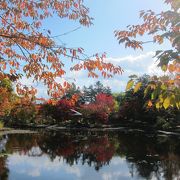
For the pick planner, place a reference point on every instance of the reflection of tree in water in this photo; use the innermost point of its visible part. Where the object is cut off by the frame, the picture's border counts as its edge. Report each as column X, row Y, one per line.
column 171, row 167
column 94, row 150
column 4, row 171
column 99, row 150
column 170, row 159
column 147, row 157
column 22, row 143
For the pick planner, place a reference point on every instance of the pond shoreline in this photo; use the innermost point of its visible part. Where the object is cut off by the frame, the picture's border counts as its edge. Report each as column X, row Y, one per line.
column 33, row 129
column 122, row 129
column 6, row 131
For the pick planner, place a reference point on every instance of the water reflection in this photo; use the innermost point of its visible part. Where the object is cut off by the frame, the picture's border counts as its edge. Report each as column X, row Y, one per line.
column 89, row 155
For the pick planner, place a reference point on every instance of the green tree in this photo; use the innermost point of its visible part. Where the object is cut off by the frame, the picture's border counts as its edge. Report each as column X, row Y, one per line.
column 90, row 93
column 136, row 106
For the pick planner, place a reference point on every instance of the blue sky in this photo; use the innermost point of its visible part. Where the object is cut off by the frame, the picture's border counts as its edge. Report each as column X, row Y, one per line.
column 108, row 16
column 98, row 38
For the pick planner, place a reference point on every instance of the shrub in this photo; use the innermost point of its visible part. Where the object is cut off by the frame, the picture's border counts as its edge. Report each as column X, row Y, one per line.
column 63, row 109
column 95, row 113
column 98, row 112
column 47, row 109
column 60, row 110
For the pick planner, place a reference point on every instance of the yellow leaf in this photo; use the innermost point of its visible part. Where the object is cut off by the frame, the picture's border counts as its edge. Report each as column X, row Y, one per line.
column 166, row 103
column 164, row 68
column 137, row 86
column 129, row 84
column 177, row 102
column 157, row 105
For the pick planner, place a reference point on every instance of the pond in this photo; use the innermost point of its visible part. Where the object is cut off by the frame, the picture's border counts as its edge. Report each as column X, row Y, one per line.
column 89, row 155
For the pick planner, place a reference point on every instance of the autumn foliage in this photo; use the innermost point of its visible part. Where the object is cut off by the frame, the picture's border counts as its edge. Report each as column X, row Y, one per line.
column 159, row 27
column 60, row 110
column 28, row 48
column 7, row 97
column 99, row 110
column 15, row 109
column 94, row 150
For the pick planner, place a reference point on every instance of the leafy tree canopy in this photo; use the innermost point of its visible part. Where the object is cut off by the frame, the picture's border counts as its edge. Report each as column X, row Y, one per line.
column 162, row 26
column 26, row 48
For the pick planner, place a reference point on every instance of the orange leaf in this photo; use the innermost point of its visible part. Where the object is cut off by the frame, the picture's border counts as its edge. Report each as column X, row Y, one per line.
column 150, row 103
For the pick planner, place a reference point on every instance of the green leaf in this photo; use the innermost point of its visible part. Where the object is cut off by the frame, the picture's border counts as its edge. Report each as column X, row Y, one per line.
column 163, row 87
column 129, row 84
column 137, row 86
column 146, row 91
column 166, row 103
column 156, row 92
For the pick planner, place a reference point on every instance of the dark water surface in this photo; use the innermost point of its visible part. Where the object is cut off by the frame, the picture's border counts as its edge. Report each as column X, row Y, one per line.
column 89, row 156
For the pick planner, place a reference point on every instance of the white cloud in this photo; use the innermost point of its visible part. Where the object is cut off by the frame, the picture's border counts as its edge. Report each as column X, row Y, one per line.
column 131, row 58
column 153, row 69
column 132, row 64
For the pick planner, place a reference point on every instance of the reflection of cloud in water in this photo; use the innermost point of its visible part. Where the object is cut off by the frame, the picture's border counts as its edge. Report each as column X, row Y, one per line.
column 35, row 166
column 118, row 170
column 43, row 167
column 117, row 161
column 115, row 175
column 34, row 173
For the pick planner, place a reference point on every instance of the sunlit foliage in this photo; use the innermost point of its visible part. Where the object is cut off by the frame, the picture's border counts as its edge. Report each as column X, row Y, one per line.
column 28, row 48
column 161, row 27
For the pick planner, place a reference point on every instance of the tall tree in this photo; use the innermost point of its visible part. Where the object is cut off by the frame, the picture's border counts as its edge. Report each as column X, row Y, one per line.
column 90, row 93
column 162, row 26
column 26, row 48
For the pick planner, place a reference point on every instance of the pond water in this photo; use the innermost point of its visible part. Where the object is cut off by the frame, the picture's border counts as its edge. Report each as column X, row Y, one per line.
column 89, row 155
